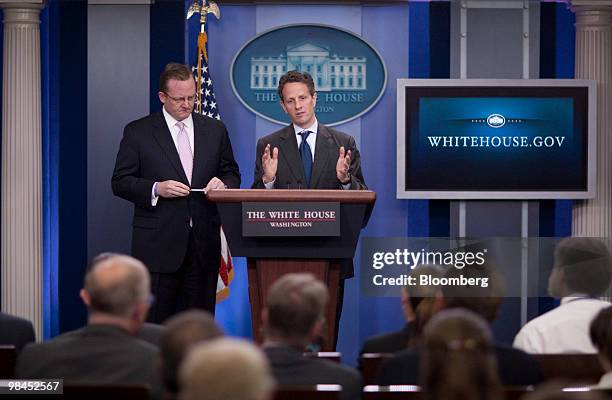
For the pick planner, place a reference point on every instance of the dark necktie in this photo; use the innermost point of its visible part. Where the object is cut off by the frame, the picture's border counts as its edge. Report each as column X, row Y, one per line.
column 306, row 155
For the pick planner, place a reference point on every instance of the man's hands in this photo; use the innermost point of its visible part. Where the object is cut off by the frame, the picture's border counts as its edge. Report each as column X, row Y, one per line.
column 170, row 189
column 342, row 166
column 269, row 163
column 214, row 184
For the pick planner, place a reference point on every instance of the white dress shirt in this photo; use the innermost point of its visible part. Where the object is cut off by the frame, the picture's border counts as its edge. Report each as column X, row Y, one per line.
column 312, row 142
column 564, row 329
column 174, row 131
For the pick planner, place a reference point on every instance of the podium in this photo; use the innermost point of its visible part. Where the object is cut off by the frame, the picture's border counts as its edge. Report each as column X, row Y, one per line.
column 318, row 246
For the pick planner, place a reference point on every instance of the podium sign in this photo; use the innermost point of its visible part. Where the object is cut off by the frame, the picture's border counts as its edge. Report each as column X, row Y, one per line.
column 261, row 219
column 322, row 249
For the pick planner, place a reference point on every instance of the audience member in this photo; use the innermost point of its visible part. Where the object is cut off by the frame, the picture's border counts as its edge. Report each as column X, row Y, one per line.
column 116, row 292
column 226, row 369
column 292, row 317
column 15, row 331
column 515, row 367
column 601, row 337
column 458, row 360
column 418, row 305
column 151, row 333
column 183, row 331
column 581, row 272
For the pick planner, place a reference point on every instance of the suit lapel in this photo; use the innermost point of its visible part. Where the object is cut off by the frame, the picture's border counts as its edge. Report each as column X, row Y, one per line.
column 324, row 152
column 164, row 139
column 200, row 144
column 288, row 150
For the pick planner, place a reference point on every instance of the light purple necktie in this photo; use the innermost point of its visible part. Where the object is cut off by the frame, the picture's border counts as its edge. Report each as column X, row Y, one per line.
column 184, row 150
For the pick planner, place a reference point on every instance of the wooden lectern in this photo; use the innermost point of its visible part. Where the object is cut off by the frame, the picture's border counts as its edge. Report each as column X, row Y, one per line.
column 269, row 257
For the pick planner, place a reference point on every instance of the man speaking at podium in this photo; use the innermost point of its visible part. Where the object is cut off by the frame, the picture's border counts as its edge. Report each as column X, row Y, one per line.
column 307, row 154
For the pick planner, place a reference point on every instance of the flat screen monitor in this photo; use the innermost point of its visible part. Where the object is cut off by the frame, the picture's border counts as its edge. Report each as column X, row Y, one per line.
column 496, row 139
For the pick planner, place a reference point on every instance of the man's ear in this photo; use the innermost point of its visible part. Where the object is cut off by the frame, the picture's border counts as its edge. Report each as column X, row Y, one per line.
column 85, row 297
column 317, row 328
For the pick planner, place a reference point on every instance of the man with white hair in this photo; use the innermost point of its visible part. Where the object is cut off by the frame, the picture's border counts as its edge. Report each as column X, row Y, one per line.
column 117, row 295
column 225, row 369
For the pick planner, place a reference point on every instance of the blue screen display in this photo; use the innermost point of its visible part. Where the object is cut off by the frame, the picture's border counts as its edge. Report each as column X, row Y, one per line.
column 515, row 139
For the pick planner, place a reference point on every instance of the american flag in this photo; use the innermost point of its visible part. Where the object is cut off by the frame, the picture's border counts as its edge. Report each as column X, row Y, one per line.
column 206, row 104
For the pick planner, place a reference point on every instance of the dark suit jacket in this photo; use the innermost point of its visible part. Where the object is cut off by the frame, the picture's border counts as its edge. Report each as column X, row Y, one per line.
column 151, row 333
column 290, row 172
column 516, row 368
column 96, row 354
column 388, row 343
column 291, row 368
column 15, row 331
column 147, row 155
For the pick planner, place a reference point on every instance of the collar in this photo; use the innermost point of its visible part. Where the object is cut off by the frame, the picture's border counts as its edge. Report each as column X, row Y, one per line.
column 312, row 128
column 171, row 122
column 575, row 297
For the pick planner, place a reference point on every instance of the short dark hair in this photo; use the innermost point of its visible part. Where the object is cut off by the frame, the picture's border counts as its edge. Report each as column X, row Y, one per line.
column 601, row 332
column 182, row 332
column 296, row 77
column 295, row 303
column 484, row 301
column 176, row 71
column 586, row 264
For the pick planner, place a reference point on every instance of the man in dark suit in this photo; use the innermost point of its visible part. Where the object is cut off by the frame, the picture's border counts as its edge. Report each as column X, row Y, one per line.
column 293, row 316
column 333, row 160
column 161, row 160
column 515, row 367
column 307, row 154
column 15, row 331
column 117, row 293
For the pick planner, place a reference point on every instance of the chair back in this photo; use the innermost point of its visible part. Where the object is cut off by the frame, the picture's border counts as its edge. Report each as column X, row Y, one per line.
column 8, row 360
column 369, row 364
column 316, row 392
column 580, row 368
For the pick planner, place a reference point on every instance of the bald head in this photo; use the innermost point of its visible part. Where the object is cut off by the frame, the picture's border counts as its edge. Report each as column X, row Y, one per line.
column 115, row 284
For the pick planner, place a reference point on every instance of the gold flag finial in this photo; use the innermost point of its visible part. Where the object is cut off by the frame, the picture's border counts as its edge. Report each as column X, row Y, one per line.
column 203, row 7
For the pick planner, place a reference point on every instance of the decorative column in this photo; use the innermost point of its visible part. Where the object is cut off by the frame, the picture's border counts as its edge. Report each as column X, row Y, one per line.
column 21, row 249
column 594, row 61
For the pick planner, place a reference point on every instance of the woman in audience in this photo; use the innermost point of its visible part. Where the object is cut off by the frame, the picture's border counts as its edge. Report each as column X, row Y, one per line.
column 601, row 336
column 458, row 362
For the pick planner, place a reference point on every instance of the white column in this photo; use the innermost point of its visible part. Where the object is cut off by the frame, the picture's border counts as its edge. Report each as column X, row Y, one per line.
column 594, row 61
column 21, row 250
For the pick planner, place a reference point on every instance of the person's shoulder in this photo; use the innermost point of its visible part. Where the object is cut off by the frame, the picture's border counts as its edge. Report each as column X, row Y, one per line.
column 337, row 369
column 14, row 321
column 207, row 121
column 144, row 123
column 386, row 343
column 271, row 137
column 343, row 137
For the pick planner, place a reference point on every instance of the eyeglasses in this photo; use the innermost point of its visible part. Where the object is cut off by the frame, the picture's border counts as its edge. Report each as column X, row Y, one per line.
column 179, row 100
